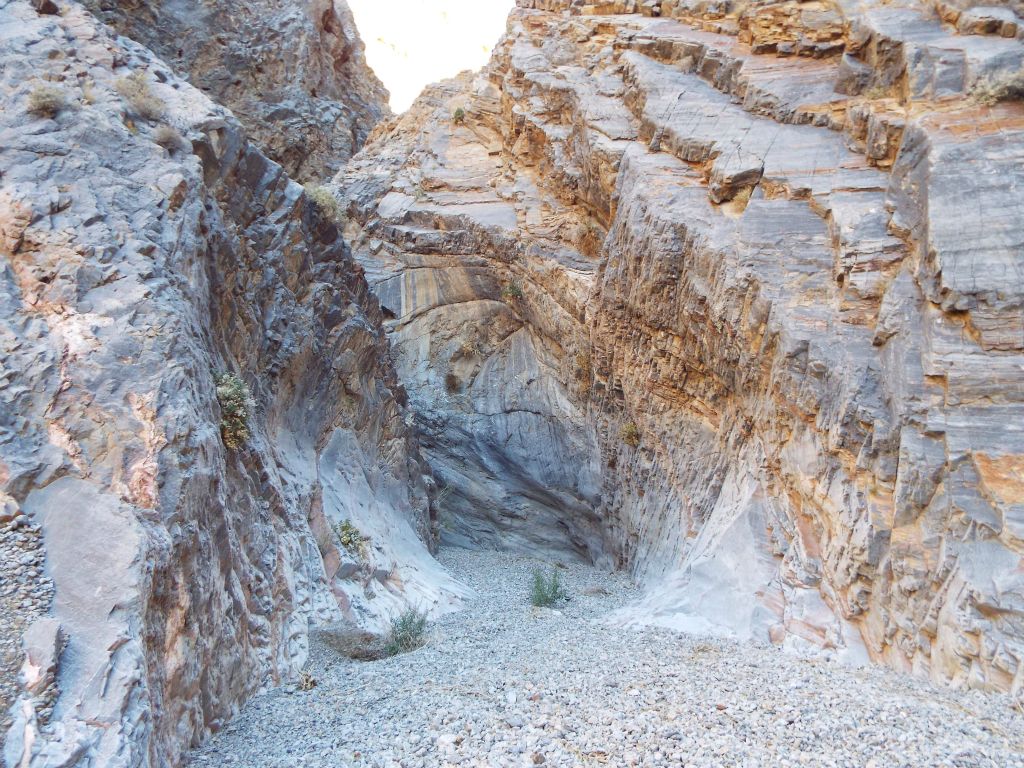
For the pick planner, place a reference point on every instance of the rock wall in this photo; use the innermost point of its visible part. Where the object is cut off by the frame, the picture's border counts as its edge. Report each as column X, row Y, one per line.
column 294, row 74
column 733, row 296
column 146, row 247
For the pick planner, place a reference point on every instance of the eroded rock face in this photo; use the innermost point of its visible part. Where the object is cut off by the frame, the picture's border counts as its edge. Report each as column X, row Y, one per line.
column 294, row 74
column 140, row 258
column 734, row 299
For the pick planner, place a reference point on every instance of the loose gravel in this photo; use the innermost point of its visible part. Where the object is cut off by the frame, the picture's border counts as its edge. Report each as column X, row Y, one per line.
column 505, row 684
column 25, row 595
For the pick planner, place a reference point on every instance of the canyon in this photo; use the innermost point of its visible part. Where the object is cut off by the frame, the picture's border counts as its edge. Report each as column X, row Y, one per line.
column 725, row 297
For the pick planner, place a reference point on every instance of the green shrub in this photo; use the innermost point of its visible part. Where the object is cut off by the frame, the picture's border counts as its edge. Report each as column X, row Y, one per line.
column 46, row 101
column 135, row 90
column 325, row 202
column 459, row 116
column 408, row 632
column 236, row 404
column 350, row 537
column 547, row 591
column 630, row 434
column 511, row 291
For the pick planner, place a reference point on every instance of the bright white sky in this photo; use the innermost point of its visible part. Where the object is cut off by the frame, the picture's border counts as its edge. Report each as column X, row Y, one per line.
column 412, row 43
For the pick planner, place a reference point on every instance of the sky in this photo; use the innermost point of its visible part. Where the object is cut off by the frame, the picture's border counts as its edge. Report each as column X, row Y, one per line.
column 412, row 43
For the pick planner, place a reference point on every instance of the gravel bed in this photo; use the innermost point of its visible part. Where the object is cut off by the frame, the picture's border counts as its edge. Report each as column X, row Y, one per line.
column 505, row 684
column 25, row 595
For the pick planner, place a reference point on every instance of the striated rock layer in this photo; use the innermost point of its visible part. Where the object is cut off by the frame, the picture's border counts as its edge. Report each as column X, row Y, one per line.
column 732, row 296
column 294, row 74
column 138, row 260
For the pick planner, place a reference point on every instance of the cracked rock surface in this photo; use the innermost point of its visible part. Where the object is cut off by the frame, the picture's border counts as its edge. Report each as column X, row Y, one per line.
column 732, row 296
column 145, row 248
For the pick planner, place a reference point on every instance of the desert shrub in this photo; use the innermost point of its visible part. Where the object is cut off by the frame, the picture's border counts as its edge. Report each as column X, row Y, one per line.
column 168, row 137
column 630, row 434
column 546, row 592
column 459, row 116
column 408, row 632
column 325, row 202
column 350, row 537
column 511, row 291
column 1006, row 87
column 46, row 101
column 306, row 682
column 236, row 404
column 135, row 90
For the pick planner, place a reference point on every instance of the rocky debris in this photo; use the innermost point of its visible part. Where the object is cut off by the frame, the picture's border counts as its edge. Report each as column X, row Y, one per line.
column 744, row 322
column 184, row 574
column 26, row 593
column 294, row 74
column 504, row 684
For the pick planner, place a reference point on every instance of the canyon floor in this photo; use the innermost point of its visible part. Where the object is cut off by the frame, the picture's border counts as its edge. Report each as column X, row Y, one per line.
column 505, row 684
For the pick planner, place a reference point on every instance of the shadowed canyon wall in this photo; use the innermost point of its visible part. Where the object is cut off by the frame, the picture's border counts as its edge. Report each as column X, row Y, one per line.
column 728, row 295
column 732, row 296
column 144, row 254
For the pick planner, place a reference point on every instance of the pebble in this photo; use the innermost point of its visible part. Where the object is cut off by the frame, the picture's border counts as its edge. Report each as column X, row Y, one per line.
column 501, row 684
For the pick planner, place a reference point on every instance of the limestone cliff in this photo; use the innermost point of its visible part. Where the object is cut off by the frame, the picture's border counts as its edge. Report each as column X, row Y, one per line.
column 293, row 73
column 731, row 295
column 145, row 248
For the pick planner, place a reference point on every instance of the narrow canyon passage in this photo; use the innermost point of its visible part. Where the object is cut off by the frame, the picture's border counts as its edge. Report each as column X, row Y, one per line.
column 505, row 684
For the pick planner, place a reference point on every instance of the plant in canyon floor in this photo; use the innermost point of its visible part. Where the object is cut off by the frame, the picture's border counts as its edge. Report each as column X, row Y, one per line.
column 236, row 404
column 408, row 632
column 545, row 592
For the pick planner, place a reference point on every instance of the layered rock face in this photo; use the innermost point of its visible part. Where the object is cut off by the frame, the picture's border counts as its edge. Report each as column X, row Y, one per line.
column 294, row 74
column 732, row 296
column 146, row 248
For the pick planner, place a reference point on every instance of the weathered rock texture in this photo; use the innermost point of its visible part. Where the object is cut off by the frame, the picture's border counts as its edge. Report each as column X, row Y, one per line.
column 185, row 574
column 294, row 73
column 732, row 296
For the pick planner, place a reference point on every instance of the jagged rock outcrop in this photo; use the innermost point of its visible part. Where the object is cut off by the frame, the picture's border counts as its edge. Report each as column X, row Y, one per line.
column 145, row 247
column 294, row 74
column 731, row 295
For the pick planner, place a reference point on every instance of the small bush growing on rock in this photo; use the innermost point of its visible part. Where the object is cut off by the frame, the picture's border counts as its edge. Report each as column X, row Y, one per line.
column 511, row 291
column 46, row 101
column 236, row 404
column 168, row 138
column 135, row 90
column 306, row 682
column 350, row 537
column 1007, row 87
column 408, row 632
column 324, row 201
column 459, row 116
column 630, row 434
column 545, row 592
column 451, row 382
